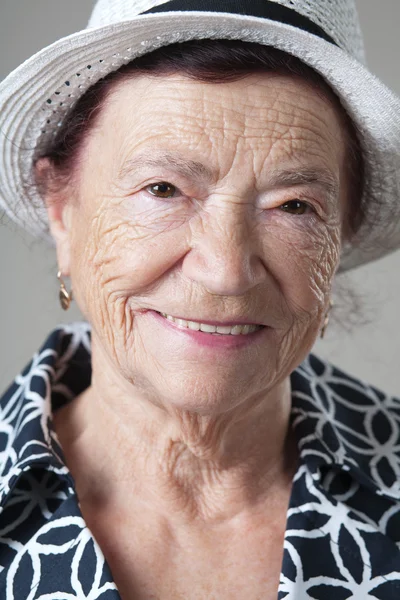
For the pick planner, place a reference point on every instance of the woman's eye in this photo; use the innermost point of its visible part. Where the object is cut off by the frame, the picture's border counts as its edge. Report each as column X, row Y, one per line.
column 296, row 207
column 162, row 189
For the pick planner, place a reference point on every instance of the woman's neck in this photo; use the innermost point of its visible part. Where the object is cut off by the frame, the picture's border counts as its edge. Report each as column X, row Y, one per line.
column 186, row 466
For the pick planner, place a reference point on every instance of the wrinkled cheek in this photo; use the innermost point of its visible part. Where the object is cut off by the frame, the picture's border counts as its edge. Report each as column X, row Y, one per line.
column 98, row 256
column 118, row 261
column 311, row 259
column 130, row 250
column 325, row 261
column 306, row 289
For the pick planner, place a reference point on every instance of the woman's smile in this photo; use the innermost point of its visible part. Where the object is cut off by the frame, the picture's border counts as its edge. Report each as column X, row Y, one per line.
column 219, row 335
column 223, row 328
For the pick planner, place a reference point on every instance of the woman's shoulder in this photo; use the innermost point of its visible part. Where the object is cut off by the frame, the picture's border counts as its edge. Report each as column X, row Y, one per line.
column 345, row 423
column 57, row 372
column 315, row 371
column 65, row 348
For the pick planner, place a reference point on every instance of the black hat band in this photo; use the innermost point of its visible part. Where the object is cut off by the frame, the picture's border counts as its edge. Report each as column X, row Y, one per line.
column 252, row 8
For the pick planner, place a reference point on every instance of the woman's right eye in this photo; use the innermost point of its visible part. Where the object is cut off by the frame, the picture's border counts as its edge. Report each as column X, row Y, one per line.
column 162, row 189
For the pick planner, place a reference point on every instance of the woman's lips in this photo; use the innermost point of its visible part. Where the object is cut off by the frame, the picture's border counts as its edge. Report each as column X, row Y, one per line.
column 236, row 339
column 232, row 323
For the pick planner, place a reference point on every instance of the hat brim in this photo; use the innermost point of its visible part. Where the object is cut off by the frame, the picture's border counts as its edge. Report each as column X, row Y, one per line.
column 35, row 98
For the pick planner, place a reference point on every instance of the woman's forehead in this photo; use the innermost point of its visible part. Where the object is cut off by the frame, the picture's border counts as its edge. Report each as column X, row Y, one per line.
column 268, row 118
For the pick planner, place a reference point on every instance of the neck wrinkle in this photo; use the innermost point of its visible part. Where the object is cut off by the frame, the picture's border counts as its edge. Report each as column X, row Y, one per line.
column 188, row 467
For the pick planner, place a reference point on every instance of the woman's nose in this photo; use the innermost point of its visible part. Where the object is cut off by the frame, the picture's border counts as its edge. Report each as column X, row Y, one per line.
column 225, row 255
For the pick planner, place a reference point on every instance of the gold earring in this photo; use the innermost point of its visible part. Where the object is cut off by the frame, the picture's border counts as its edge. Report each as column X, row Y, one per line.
column 65, row 297
column 326, row 322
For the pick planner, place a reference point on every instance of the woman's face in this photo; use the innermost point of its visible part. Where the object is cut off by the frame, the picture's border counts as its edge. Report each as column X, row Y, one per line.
column 212, row 203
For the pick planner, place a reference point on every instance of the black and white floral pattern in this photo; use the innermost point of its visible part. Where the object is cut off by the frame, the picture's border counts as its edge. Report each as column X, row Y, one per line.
column 343, row 524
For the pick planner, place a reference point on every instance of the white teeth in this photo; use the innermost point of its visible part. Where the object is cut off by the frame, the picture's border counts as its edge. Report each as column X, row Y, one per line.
column 223, row 329
column 236, row 330
column 207, row 328
column 219, row 329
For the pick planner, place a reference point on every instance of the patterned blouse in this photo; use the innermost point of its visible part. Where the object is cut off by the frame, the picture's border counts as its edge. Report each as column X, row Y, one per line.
column 343, row 523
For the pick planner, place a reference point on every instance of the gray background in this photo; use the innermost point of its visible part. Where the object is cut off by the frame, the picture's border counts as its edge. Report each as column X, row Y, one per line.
column 29, row 308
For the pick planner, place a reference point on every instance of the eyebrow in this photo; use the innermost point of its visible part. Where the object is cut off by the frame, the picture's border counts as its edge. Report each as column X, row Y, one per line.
column 191, row 169
column 185, row 167
column 320, row 176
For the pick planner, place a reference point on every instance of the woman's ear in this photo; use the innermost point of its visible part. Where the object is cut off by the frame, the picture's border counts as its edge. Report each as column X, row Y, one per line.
column 59, row 212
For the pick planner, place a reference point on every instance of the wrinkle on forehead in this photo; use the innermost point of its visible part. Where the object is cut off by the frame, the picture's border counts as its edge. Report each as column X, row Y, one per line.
column 269, row 121
column 158, row 158
column 238, row 107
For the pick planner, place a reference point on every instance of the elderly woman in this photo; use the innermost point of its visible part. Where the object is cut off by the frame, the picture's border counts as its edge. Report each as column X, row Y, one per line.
column 205, row 175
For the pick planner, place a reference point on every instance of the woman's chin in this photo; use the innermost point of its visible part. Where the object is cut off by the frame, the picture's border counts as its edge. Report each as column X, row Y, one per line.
column 207, row 395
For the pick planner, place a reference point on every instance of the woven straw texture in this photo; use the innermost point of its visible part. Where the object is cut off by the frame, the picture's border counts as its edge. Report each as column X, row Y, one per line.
column 339, row 18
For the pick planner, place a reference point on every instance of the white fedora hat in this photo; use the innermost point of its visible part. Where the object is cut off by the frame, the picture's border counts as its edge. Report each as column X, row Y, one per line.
column 35, row 98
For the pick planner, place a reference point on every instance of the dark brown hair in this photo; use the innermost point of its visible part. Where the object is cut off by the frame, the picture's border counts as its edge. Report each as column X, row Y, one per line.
column 209, row 61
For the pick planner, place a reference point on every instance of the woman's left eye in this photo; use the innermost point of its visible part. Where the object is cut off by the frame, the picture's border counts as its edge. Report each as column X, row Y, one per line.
column 296, row 207
column 162, row 189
